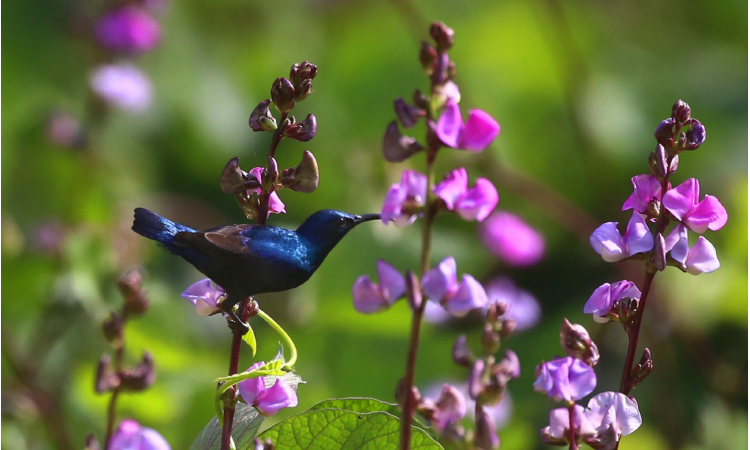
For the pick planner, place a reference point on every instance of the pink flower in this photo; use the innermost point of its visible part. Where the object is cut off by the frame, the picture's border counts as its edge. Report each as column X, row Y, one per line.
column 682, row 202
column 130, row 435
column 404, row 198
column 606, row 240
column 558, row 431
column 511, row 239
column 122, row 85
column 441, row 286
column 370, row 297
column 613, row 415
column 471, row 204
column 128, row 29
column 646, row 188
column 565, row 379
column 605, row 296
column 205, row 296
column 267, row 400
column 275, row 205
column 701, row 258
column 475, row 135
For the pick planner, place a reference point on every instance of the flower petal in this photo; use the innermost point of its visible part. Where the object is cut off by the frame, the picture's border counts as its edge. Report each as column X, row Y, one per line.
column 478, row 202
column 275, row 205
column 582, row 379
column 600, row 302
column 702, row 258
column 627, row 416
column 638, row 238
column 440, row 282
column 645, row 189
column 507, row 236
column 479, row 131
column 469, row 295
column 367, row 296
column 453, row 187
column 606, row 241
column 709, row 213
column 415, row 185
column 681, row 200
column 251, row 388
column 275, row 398
column 450, row 124
column 392, row 282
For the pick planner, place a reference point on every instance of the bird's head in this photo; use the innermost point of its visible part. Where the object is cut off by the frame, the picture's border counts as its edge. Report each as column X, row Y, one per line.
column 326, row 228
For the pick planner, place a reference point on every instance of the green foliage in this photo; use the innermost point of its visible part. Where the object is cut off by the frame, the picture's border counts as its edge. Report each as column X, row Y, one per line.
column 330, row 425
column 245, row 426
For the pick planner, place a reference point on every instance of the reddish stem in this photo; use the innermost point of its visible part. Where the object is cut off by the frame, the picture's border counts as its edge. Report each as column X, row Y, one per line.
column 571, row 423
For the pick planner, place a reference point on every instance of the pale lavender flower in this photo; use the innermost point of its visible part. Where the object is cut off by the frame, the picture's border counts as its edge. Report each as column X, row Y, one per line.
column 613, row 415
column 522, row 307
column 122, row 85
column 558, row 431
column 130, row 435
column 475, row 135
column 604, row 297
column 449, row 408
column 607, row 242
column 268, row 401
column 511, row 239
column 682, row 202
column 500, row 413
column 471, row 204
column 441, row 286
column 565, row 379
column 700, row 258
column 205, row 295
column 370, row 297
column 646, row 188
column 275, row 205
column 128, row 29
column 403, row 199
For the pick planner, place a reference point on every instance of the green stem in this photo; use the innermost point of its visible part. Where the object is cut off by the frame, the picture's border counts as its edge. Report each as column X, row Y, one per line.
column 288, row 365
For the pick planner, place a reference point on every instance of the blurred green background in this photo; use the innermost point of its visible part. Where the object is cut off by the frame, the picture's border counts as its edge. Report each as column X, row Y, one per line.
column 578, row 88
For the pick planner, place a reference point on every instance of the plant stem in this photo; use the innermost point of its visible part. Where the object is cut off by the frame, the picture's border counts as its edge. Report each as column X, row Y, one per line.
column 288, row 365
column 234, row 357
column 571, row 423
column 409, row 404
column 112, row 409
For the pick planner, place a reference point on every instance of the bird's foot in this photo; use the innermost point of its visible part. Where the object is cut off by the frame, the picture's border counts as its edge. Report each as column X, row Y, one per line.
column 238, row 326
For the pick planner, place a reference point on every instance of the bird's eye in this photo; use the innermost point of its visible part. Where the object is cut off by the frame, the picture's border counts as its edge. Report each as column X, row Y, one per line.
column 342, row 221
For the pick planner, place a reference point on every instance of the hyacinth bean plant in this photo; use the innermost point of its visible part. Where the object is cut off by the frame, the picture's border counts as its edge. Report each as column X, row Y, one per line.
column 433, row 291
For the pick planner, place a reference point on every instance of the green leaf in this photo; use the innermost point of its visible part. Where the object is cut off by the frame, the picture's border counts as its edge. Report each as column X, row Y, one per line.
column 249, row 339
column 245, row 426
column 358, row 404
column 339, row 429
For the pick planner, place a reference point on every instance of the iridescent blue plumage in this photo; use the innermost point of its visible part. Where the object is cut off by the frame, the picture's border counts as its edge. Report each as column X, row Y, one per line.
column 251, row 259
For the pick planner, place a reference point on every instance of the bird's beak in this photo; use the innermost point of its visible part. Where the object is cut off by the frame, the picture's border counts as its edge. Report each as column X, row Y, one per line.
column 365, row 218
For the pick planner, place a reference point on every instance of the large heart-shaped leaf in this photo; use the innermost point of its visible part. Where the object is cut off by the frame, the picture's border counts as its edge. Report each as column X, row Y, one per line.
column 357, row 404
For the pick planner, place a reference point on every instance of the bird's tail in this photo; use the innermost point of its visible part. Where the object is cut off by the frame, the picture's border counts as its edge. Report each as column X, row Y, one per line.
column 153, row 226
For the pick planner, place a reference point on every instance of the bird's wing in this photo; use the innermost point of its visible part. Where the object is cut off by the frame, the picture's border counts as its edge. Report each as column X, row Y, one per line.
column 218, row 241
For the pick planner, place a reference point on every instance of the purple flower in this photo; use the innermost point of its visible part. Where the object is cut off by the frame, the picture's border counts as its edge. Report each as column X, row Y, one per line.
column 123, row 86
column 449, row 408
column 521, row 307
column 130, row 435
column 646, row 188
column 440, row 286
column 275, row 205
column 701, row 258
column 475, row 135
column 558, row 431
column 128, row 29
column 370, row 298
column 565, row 379
column 613, row 415
column 471, row 204
column 404, row 199
column 511, row 239
column 267, row 400
column 606, row 240
column 205, row 296
column 500, row 412
column 604, row 297
column 682, row 202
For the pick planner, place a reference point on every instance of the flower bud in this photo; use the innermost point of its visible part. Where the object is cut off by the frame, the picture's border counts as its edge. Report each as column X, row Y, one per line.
column 233, row 179
column 462, row 354
column 509, row 368
column 659, row 258
column 664, row 133
column 139, row 377
column 696, row 136
column 428, row 57
column 407, row 114
column 272, row 171
column 450, row 72
column 129, row 284
column 265, row 444
column 282, row 95
column 261, row 118
column 643, row 369
column 420, row 100
column 91, row 442
column 106, row 379
column 402, row 393
column 303, row 178
column 626, row 309
column 476, row 382
column 657, row 161
column 486, row 437
column 413, row 290
column 396, row 147
column 112, row 328
column 673, row 164
column 577, row 343
column 302, row 131
column 496, row 309
column 442, row 35
column 490, row 340
column 302, row 72
column 506, row 328
column 681, row 111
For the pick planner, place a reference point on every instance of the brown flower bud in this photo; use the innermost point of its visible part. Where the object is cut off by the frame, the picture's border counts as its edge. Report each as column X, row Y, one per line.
column 106, row 379
column 442, row 35
column 681, row 111
column 302, row 131
column 413, row 290
column 396, row 147
column 261, row 118
column 91, row 442
column 304, row 177
column 490, row 340
column 282, row 95
column 112, row 328
column 407, row 114
column 486, row 437
column 129, row 284
column 659, row 257
column 577, row 343
column 428, row 57
column 233, row 179
column 139, row 377
column 462, row 354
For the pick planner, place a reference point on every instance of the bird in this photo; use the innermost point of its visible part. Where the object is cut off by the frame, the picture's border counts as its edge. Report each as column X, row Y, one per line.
column 250, row 259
